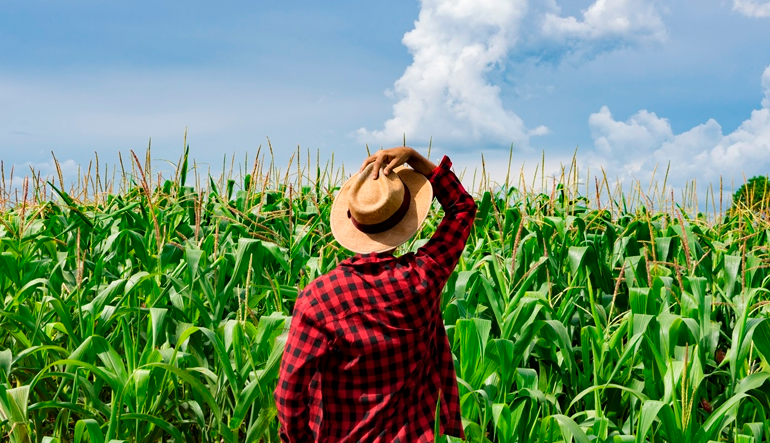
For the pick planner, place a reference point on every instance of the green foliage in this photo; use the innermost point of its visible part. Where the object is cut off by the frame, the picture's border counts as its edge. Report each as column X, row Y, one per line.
column 754, row 195
column 159, row 314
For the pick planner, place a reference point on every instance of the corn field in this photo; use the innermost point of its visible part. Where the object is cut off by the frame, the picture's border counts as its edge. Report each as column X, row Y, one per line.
column 140, row 308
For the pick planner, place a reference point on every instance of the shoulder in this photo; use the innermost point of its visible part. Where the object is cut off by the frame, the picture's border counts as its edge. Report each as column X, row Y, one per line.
column 411, row 265
column 319, row 300
column 326, row 283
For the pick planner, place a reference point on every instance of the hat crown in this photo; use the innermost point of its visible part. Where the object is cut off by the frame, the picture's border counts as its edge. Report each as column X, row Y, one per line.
column 374, row 201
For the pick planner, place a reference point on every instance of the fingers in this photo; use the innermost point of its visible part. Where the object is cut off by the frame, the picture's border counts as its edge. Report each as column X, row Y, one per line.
column 378, row 159
column 377, row 165
column 369, row 160
column 395, row 162
column 390, row 158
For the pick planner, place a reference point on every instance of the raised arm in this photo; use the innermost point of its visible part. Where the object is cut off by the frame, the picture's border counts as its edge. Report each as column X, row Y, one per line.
column 448, row 242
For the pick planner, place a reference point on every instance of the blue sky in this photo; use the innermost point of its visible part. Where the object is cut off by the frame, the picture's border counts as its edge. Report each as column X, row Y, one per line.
column 631, row 83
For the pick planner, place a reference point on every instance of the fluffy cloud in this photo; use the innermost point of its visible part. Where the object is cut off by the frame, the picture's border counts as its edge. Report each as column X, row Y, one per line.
column 607, row 20
column 444, row 91
column 752, row 8
column 634, row 147
column 455, row 44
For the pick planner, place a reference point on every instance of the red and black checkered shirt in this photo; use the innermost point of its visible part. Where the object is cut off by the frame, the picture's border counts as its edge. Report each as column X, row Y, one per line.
column 367, row 355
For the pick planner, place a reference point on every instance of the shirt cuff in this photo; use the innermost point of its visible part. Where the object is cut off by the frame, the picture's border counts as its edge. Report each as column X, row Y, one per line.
column 443, row 167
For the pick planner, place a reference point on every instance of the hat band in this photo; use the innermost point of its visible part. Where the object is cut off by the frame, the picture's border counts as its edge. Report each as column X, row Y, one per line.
column 388, row 223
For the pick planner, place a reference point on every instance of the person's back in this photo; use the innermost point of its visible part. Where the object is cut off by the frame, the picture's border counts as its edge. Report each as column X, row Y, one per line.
column 367, row 355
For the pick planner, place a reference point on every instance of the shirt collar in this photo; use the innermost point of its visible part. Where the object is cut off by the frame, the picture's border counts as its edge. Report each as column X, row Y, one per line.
column 369, row 259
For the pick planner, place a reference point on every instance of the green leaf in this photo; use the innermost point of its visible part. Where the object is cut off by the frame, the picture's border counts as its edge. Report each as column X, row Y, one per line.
column 159, row 422
column 732, row 266
column 753, row 381
column 651, row 410
column 576, row 256
column 504, row 425
column 88, row 428
column 194, row 383
column 6, row 359
column 156, row 317
column 261, row 425
column 74, row 407
column 246, row 400
column 718, row 419
column 569, row 429
column 636, row 393
column 761, row 339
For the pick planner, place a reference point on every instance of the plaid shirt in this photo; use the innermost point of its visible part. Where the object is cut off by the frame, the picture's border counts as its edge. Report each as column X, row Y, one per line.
column 367, row 355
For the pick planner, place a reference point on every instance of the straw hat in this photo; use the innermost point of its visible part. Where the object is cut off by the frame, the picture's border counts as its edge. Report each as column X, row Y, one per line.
column 379, row 215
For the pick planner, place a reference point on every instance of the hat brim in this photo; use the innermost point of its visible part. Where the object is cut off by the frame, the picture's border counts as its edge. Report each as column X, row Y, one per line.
column 351, row 238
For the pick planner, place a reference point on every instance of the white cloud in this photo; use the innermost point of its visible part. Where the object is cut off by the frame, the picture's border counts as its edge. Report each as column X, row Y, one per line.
column 627, row 144
column 636, row 146
column 445, row 92
column 766, row 87
column 455, row 44
column 752, row 8
column 608, row 19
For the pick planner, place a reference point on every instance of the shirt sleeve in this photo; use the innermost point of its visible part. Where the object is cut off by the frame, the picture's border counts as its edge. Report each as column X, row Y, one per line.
column 448, row 242
column 305, row 345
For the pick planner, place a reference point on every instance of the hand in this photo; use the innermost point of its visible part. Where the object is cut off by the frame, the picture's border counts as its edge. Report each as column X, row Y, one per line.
column 391, row 158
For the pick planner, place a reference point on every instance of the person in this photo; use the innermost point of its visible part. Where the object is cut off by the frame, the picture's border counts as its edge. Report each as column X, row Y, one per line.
column 367, row 357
